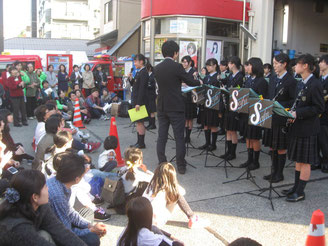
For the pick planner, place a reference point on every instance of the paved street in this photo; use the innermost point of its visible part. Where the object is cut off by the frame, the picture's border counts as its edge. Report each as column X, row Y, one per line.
column 232, row 211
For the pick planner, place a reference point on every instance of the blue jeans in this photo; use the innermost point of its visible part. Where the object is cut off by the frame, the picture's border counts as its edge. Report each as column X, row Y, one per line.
column 91, row 239
column 103, row 175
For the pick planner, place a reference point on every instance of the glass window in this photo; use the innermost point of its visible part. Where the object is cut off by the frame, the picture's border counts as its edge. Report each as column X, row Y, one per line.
column 178, row 25
column 222, row 29
column 147, row 28
column 147, row 48
column 230, row 49
column 108, row 12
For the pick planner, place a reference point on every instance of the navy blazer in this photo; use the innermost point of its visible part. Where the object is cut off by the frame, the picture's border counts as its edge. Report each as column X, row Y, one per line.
column 169, row 76
column 287, row 92
column 310, row 106
column 324, row 116
column 139, row 88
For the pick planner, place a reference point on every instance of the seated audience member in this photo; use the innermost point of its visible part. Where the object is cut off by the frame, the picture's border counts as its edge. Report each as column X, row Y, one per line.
column 62, row 102
column 134, row 180
column 115, row 98
column 94, row 106
column 16, row 148
column 70, row 172
column 139, row 230
column 243, row 241
column 164, row 193
column 107, row 159
column 27, row 216
column 47, row 94
column 53, row 124
column 105, row 97
column 79, row 95
column 42, row 113
column 71, row 106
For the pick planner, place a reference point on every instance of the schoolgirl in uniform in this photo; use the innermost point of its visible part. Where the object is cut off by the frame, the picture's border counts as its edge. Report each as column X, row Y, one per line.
column 211, row 116
column 190, row 107
column 151, row 98
column 253, row 134
column 223, row 80
column 303, row 147
column 282, row 88
column 235, row 79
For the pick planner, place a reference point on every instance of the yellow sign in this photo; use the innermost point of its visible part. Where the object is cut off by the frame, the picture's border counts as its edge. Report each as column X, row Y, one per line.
column 5, row 53
column 138, row 115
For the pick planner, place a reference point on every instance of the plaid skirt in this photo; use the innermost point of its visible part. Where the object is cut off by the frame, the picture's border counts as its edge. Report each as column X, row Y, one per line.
column 253, row 132
column 243, row 124
column 275, row 138
column 303, row 149
column 190, row 111
column 231, row 121
column 210, row 117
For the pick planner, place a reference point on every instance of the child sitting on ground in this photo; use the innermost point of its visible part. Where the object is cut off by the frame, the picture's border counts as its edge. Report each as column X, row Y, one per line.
column 107, row 159
column 164, row 193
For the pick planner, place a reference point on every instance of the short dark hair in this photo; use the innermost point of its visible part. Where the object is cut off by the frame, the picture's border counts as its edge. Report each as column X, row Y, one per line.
column 324, row 58
column 52, row 123
column 40, row 112
column 17, row 63
column 49, row 66
column 75, row 66
column 110, row 142
column 50, row 106
column 70, row 93
column 235, row 60
column 12, row 69
column 211, row 62
column 193, row 46
column 169, row 48
column 307, row 59
column 86, row 66
column 140, row 57
column 45, row 82
column 224, row 63
column 257, row 67
column 267, row 66
column 71, row 166
column 243, row 241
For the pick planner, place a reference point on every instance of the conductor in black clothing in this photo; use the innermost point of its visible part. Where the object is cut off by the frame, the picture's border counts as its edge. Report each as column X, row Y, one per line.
column 139, row 96
column 170, row 106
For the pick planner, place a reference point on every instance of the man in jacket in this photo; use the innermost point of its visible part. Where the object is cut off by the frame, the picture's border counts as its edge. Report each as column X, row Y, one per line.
column 169, row 76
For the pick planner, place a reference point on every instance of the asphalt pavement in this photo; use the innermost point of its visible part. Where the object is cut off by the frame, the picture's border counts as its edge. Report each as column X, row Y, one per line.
column 233, row 209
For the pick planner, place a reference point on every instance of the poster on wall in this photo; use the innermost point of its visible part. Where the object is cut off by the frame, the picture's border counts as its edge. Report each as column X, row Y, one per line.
column 213, row 50
column 158, row 47
column 189, row 48
column 178, row 26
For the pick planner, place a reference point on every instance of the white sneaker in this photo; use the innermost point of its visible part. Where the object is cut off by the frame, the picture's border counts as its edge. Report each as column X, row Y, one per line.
column 101, row 117
column 31, row 118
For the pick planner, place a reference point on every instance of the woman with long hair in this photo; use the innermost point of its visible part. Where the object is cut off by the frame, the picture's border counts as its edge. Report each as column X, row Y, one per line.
column 211, row 116
column 190, row 107
column 62, row 78
column 164, row 193
column 139, row 96
column 253, row 134
column 139, row 230
column 26, row 214
column 282, row 88
column 304, row 130
column 151, row 97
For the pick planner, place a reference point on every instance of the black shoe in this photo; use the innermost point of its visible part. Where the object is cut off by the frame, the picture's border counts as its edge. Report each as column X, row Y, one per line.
column 211, row 147
column 254, row 166
column 267, row 177
column 182, row 169
column 288, row 192
column 25, row 123
column 151, row 127
column 231, row 157
column 98, row 200
column 294, row 197
column 224, row 155
column 205, row 146
column 101, row 215
column 277, row 179
column 18, row 125
column 140, row 146
column 246, row 164
column 221, row 132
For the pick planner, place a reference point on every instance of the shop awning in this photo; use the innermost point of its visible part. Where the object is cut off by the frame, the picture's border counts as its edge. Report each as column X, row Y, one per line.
column 124, row 39
column 107, row 38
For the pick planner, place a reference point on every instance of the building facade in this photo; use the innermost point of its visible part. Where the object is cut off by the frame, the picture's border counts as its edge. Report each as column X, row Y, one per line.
column 119, row 27
column 68, row 19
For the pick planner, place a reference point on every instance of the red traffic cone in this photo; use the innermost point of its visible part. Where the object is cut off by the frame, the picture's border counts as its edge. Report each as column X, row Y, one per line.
column 113, row 132
column 316, row 235
column 77, row 121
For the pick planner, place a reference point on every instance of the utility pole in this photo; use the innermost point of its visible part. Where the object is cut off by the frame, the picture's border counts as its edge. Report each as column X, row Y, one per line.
column 1, row 28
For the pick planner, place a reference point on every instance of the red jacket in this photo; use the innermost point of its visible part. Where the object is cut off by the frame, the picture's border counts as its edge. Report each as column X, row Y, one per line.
column 14, row 89
column 4, row 80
